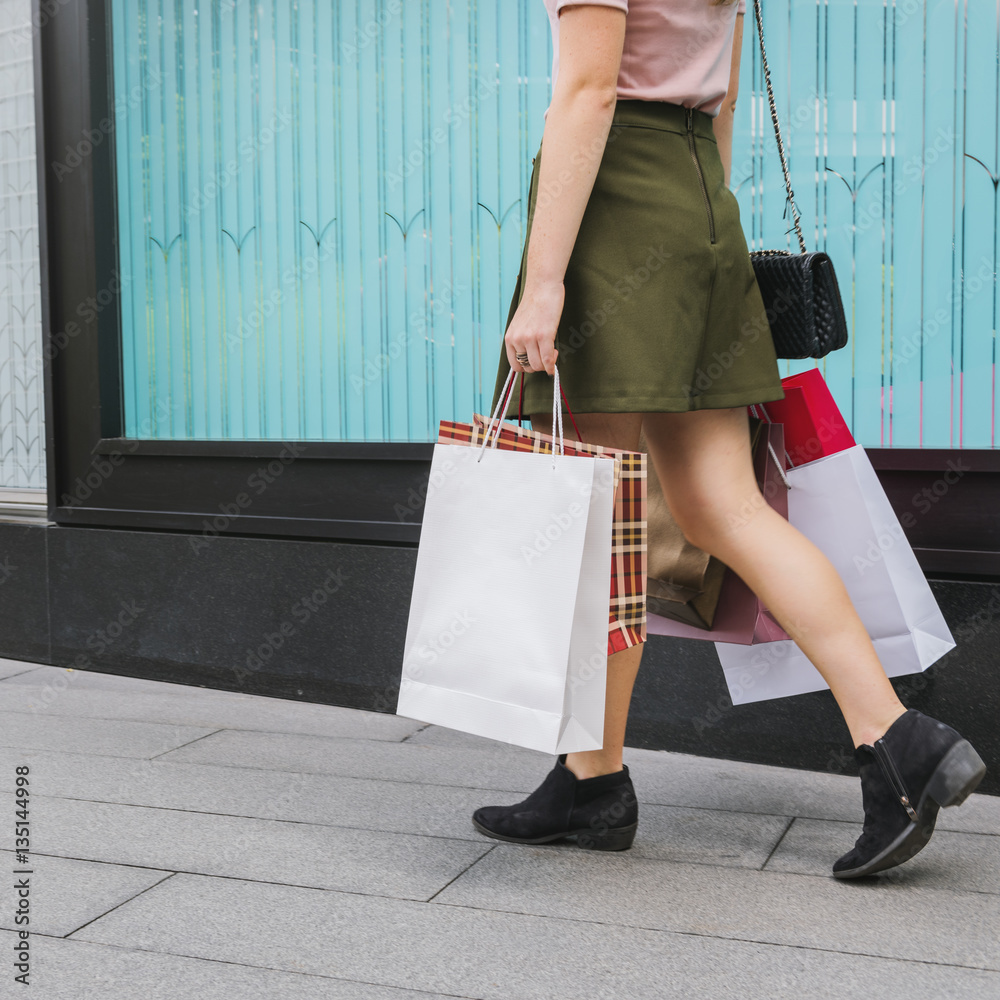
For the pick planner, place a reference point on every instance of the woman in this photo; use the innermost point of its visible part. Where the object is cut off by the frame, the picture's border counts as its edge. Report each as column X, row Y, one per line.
column 636, row 276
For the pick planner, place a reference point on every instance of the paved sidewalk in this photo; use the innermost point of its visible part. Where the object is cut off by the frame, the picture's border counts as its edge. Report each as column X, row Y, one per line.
column 191, row 843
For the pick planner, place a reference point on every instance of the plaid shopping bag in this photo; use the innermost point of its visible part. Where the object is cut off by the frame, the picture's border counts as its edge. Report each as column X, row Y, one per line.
column 627, row 607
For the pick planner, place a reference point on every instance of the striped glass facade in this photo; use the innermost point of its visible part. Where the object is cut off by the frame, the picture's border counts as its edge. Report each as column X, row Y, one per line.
column 321, row 206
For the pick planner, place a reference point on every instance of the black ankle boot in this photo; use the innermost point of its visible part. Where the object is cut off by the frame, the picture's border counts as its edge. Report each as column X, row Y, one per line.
column 602, row 812
column 917, row 767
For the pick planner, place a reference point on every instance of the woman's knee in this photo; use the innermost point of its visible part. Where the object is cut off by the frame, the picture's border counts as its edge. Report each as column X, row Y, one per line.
column 713, row 523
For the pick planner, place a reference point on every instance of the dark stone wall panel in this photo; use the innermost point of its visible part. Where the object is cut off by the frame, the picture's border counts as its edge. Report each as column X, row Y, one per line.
column 325, row 622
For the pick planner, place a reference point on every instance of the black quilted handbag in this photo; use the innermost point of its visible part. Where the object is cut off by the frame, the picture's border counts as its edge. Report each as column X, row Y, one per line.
column 800, row 291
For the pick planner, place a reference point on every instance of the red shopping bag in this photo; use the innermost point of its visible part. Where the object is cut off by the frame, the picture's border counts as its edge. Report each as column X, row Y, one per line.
column 814, row 425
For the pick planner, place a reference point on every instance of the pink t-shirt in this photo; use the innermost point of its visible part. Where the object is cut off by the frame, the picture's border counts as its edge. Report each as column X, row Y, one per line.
column 675, row 50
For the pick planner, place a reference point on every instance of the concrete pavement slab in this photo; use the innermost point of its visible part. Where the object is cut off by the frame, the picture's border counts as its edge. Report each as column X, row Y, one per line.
column 12, row 668
column 890, row 921
column 77, row 970
column 511, row 770
column 966, row 861
column 87, row 694
column 400, row 806
column 117, row 738
column 392, row 864
column 472, row 952
column 66, row 893
column 667, row 832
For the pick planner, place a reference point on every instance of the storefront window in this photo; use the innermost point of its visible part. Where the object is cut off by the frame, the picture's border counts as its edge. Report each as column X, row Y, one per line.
column 320, row 208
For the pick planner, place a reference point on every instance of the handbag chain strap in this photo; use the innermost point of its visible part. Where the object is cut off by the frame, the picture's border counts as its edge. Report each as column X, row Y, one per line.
column 777, row 135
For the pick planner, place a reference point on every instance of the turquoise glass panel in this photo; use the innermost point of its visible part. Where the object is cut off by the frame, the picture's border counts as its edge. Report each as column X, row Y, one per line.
column 321, row 207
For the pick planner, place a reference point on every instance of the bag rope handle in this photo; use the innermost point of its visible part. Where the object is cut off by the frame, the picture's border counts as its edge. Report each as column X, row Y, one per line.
column 562, row 391
column 490, row 438
column 777, row 131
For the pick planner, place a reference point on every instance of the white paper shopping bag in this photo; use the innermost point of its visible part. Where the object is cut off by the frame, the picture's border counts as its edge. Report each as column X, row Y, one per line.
column 507, row 631
column 838, row 502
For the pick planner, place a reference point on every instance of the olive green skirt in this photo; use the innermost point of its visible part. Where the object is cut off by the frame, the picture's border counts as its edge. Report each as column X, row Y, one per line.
column 662, row 310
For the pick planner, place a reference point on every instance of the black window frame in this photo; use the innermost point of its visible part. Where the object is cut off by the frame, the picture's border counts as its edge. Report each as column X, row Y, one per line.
column 344, row 490
column 334, row 490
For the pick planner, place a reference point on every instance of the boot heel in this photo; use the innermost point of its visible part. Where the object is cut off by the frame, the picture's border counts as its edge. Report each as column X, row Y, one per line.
column 614, row 839
column 957, row 776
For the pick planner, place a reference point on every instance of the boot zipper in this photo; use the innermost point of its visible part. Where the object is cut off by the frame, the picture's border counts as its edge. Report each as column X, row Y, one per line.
column 894, row 778
column 701, row 179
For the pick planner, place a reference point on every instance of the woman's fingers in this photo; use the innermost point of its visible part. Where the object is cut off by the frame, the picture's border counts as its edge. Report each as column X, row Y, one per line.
column 547, row 356
column 534, row 353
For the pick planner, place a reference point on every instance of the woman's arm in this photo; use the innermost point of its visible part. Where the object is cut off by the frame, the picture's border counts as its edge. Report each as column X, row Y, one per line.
column 722, row 124
column 576, row 130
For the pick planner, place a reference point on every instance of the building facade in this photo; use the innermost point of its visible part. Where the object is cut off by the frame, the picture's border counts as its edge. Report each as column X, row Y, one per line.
column 255, row 250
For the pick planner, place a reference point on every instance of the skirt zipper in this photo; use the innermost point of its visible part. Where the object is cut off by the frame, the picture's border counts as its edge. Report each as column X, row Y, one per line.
column 701, row 179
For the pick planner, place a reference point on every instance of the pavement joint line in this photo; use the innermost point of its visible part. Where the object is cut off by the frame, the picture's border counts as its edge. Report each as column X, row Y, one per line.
column 20, row 673
column 544, row 916
column 489, row 849
column 263, row 819
column 756, row 871
column 259, row 881
column 777, row 843
column 109, row 756
column 558, row 850
column 235, row 729
column 416, row 732
column 169, row 875
column 727, row 937
column 243, row 965
column 189, row 742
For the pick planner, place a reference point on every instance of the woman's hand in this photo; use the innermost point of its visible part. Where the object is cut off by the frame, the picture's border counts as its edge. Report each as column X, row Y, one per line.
column 532, row 329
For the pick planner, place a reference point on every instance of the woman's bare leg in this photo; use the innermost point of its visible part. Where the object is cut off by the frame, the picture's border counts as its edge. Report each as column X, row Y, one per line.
column 613, row 430
column 704, row 464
